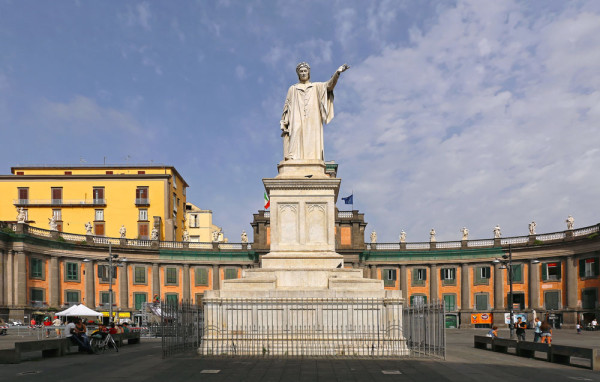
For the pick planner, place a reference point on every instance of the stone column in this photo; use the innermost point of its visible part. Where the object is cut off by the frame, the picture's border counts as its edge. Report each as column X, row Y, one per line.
column 2, row 278
column 90, row 292
column 186, row 283
column 433, row 283
column 21, row 279
column 374, row 272
column 155, row 281
column 216, row 277
column 10, row 279
column 534, row 286
column 465, row 287
column 124, row 286
column 498, row 288
column 54, row 283
column 404, row 283
column 571, row 284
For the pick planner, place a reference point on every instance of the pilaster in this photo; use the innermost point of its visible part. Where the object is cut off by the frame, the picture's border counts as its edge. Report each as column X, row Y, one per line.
column 433, row 283
column 21, row 279
column 571, row 284
column 534, row 285
column 186, row 283
column 465, row 290
column 123, row 286
column 498, row 288
column 54, row 283
column 155, row 281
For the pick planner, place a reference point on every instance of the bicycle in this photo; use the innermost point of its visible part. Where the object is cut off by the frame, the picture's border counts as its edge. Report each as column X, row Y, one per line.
column 100, row 342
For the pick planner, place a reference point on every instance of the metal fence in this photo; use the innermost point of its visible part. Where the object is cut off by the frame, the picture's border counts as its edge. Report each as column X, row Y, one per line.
column 303, row 328
column 424, row 330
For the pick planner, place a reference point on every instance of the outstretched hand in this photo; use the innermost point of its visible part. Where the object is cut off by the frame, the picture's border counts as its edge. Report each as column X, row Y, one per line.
column 343, row 68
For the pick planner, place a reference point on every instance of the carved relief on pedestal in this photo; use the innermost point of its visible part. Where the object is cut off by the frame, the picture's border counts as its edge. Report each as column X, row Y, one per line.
column 316, row 223
column 288, row 223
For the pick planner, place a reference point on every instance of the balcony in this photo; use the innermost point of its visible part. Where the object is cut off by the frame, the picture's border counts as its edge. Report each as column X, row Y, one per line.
column 142, row 202
column 59, row 202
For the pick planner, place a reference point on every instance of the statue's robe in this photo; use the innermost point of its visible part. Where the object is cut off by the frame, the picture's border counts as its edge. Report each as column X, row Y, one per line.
column 307, row 108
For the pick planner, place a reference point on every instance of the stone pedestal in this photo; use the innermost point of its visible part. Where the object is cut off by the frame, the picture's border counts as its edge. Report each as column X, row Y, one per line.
column 304, row 270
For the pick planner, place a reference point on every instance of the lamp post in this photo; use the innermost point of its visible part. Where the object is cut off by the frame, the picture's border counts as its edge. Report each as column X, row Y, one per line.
column 506, row 262
column 112, row 258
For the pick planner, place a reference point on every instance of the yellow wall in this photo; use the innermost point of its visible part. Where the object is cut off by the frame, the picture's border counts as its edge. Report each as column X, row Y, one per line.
column 119, row 194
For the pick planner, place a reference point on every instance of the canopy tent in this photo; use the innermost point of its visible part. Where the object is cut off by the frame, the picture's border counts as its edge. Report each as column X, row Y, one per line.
column 79, row 311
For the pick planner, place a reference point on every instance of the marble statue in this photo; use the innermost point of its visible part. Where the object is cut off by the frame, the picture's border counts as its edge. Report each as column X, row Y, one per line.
column 88, row 228
column 221, row 237
column 432, row 236
column 308, row 106
column 186, row 235
column 244, row 237
column 570, row 221
column 52, row 223
column 497, row 231
column 465, row 233
column 403, row 237
column 374, row 237
column 21, row 217
column 154, row 234
column 122, row 231
column 532, row 226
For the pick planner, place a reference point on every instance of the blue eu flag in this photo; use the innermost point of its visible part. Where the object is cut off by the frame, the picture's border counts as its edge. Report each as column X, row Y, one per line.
column 348, row 199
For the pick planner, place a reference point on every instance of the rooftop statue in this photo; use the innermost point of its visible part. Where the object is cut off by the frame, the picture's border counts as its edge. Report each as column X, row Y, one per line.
column 497, row 233
column 465, row 233
column 532, row 226
column 570, row 222
column 308, row 106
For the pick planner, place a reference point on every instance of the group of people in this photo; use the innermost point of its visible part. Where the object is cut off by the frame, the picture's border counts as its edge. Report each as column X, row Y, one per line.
column 541, row 330
column 76, row 331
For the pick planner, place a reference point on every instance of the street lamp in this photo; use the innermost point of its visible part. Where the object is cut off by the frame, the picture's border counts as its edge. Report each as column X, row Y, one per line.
column 506, row 263
column 112, row 258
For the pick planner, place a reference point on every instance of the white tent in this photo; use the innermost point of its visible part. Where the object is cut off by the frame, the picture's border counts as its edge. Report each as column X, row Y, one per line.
column 79, row 311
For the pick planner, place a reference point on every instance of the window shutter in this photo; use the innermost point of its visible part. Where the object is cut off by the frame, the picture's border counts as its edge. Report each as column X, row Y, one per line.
column 559, row 270
column 424, row 274
column 424, row 299
column 517, row 272
column 544, row 272
column 414, row 278
column 596, row 266
column 412, row 298
column 201, row 276
column 442, row 274
column 581, row 268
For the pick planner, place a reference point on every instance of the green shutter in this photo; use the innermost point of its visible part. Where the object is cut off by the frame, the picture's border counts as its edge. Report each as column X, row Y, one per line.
column 442, row 274
column 581, row 268
column 517, row 272
column 231, row 273
column 559, row 270
column 201, row 276
column 139, row 299
column 596, row 266
column 424, row 274
column 412, row 298
column 544, row 272
column 478, row 279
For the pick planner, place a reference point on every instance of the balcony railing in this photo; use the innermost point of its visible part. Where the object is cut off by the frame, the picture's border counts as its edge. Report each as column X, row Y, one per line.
column 58, row 202
column 142, row 201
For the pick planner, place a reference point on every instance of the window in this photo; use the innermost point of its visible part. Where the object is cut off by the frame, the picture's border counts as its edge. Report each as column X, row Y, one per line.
column 36, row 295
column 201, row 276
column 23, row 195
column 141, row 196
column 199, row 297
column 141, row 172
column 174, row 204
column 418, row 299
column 104, row 272
column 143, row 231
column 172, row 298
column 419, row 275
column 231, row 273
column 589, row 298
column 56, row 195
column 98, row 195
column 139, row 299
column 139, row 275
column 171, row 276
column 448, row 276
column 482, row 275
column 36, row 268
column 143, row 214
column 589, row 267
column 449, row 302
column 105, row 298
column 68, row 172
column 552, row 300
column 109, row 172
column 194, row 222
column 517, row 273
column 481, row 301
column 20, row 172
column 551, row 271
column 99, row 229
column 57, row 213
column 518, row 300
column 71, row 271
column 72, row 297
column 389, row 277
column 99, row 215
column 174, row 182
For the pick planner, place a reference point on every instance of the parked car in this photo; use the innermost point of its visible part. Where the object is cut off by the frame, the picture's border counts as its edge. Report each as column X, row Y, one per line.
column 3, row 327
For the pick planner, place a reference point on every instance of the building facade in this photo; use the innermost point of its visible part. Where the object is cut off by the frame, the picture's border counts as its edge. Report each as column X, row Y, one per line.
column 108, row 197
column 200, row 224
column 556, row 275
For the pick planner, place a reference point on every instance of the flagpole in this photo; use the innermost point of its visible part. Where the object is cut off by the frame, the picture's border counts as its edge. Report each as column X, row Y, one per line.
column 352, row 199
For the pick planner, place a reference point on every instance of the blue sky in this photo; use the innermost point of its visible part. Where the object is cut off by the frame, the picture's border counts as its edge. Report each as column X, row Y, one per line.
column 463, row 113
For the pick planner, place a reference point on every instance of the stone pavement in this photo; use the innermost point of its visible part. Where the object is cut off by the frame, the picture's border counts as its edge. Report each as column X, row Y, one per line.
column 464, row 363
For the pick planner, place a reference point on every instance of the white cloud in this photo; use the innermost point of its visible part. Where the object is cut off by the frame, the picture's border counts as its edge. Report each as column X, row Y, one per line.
column 240, row 72
column 139, row 15
column 486, row 117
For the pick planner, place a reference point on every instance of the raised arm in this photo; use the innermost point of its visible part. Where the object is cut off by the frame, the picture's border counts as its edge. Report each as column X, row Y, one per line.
column 333, row 80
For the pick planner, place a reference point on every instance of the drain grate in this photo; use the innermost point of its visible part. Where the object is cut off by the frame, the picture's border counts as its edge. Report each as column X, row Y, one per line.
column 396, row 372
column 210, row 371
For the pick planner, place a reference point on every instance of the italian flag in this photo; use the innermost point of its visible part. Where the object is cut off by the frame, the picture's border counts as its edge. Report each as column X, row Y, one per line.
column 267, row 201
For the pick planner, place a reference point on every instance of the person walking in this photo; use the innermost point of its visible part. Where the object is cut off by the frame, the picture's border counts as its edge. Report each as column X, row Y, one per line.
column 578, row 327
column 546, row 332
column 521, row 326
column 537, row 332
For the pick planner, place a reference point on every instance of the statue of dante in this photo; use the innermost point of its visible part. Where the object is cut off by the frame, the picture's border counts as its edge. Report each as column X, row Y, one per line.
column 308, row 106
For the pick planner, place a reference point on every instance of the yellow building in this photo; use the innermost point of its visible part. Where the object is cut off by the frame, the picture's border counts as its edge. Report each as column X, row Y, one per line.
column 200, row 224
column 107, row 196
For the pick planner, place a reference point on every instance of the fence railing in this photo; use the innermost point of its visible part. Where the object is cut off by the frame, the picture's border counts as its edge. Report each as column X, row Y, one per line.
column 314, row 327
